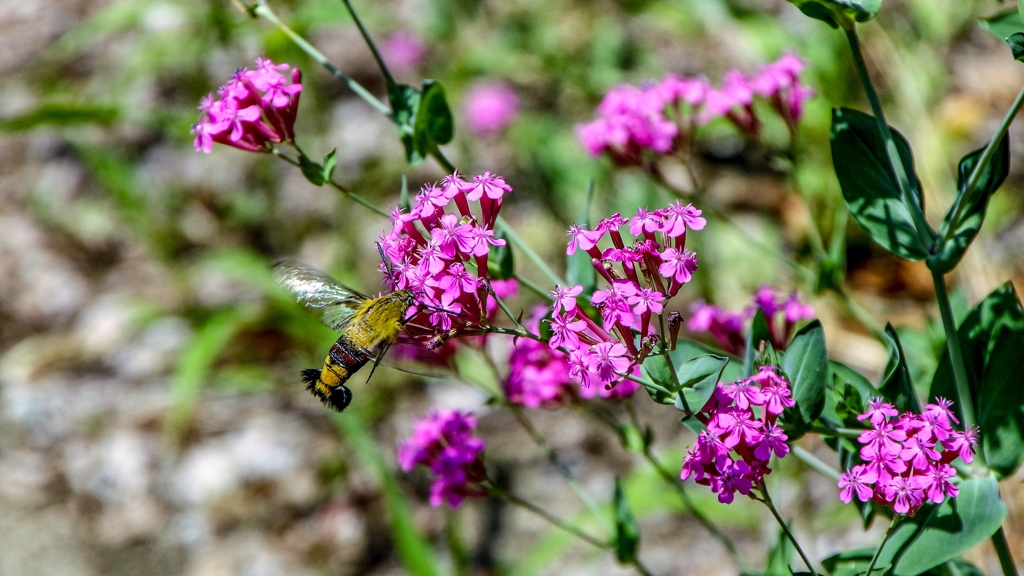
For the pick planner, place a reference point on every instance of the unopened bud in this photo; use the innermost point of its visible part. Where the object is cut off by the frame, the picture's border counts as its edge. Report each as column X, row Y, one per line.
column 675, row 322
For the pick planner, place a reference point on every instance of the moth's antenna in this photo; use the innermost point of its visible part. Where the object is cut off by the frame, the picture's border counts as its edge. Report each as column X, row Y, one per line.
column 387, row 266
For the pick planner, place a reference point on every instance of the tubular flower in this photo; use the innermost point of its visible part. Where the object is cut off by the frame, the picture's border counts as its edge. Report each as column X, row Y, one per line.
column 907, row 457
column 732, row 453
column 255, row 108
column 641, row 277
column 444, row 442
column 782, row 313
column 662, row 118
column 442, row 257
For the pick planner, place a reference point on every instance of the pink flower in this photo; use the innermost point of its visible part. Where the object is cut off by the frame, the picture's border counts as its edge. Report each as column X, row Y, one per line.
column 860, row 480
column 678, row 265
column 403, row 51
column 609, row 360
column 490, row 107
column 444, row 442
column 538, row 375
column 878, row 412
column 565, row 298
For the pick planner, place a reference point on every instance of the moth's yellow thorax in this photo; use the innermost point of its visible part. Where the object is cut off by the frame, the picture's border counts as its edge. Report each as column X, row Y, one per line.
column 379, row 320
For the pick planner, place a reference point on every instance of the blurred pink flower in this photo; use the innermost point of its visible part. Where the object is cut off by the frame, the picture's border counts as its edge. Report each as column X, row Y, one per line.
column 403, row 51
column 490, row 107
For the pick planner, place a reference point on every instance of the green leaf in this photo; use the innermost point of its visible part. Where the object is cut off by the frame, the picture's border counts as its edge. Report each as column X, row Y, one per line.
column 434, row 124
column 869, row 185
column 1004, row 24
column 991, row 338
column 627, row 533
column 1016, row 42
column 853, row 563
column 975, row 203
column 403, row 196
column 59, row 114
column 938, row 534
column 500, row 264
column 311, row 170
column 330, row 163
column 759, row 332
column 780, row 557
column 806, row 364
column 414, row 550
column 897, row 386
column 405, row 101
column 839, row 13
column 697, row 381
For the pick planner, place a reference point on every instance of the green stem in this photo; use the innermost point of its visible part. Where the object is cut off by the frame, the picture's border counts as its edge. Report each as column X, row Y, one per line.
column 560, row 466
column 508, row 313
column 924, row 231
column 771, row 506
column 979, row 168
column 814, row 463
column 532, row 287
column 263, row 10
column 493, row 490
column 369, row 42
column 963, row 389
column 1003, row 551
column 355, row 197
column 878, row 551
column 532, row 256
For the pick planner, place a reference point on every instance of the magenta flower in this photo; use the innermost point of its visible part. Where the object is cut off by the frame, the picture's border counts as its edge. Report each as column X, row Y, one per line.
column 565, row 298
column 860, row 480
column 733, row 452
column 403, row 51
column 727, row 327
column 490, row 107
column 907, row 457
column 444, row 442
column 256, row 108
column 538, row 374
column 434, row 250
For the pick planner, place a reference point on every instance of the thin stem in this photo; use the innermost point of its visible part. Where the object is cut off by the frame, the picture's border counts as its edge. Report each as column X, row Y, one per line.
column 263, row 10
column 524, row 333
column 924, row 231
column 963, row 389
column 504, row 308
column 532, row 256
column 493, row 490
column 979, row 168
column 532, row 287
column 355, row 197
column 369, row 42
column 771, row 506
column 560, row 466
column 878, row 551
column 814, row 463
column 1003, row 551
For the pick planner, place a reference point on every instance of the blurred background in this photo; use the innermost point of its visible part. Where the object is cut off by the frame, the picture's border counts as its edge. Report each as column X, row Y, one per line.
column 151, row 417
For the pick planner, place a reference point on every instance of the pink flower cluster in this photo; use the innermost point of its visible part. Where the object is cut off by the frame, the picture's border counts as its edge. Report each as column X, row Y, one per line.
column 660, row 118
column 732, row 453
column 490, row 107
column 444, row 442
column 907, row 457
column 255, row 107
column 727, row 327
column 538, row 376
column 442, row 256
column 640, row 276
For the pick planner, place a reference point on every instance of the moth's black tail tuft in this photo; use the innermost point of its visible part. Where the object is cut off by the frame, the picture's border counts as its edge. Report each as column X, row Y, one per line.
column 310, row 376
column 337, row 398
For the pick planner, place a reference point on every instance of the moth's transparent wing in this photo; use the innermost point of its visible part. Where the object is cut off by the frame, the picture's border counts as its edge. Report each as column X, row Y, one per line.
column 331, row 301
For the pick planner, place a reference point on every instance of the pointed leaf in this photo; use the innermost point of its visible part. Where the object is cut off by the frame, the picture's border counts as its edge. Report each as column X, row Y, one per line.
column 806, row 364
column 897, row 387
column 330, row 163
column 962, row 232
column 1004, row 24
column 434, row 124
column 405, row 101
column 838, row 13
column 1016, row 42
column 759, row 332
column 869, row 185
column 311, row 170
column 627, row 533
column 697, row 381
column 991, row 337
